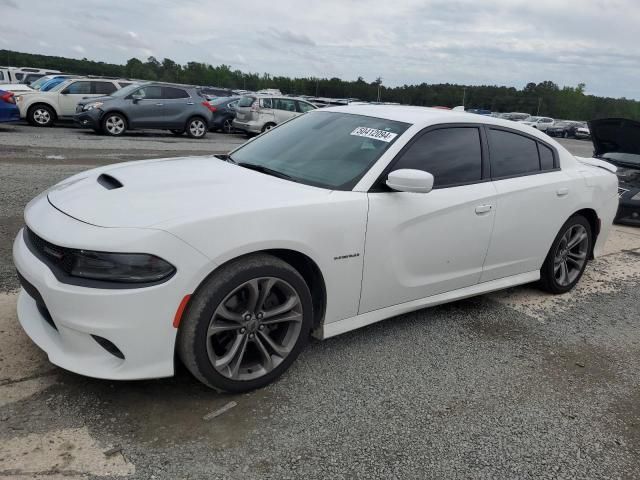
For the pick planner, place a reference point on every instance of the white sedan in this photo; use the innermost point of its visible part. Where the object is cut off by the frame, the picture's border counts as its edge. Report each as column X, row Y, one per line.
column 334, row 220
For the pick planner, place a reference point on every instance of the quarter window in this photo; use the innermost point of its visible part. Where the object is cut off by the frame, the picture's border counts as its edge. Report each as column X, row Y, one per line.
column 452, row 155
column 546, row 157
column 512, row 154
column 104, row 88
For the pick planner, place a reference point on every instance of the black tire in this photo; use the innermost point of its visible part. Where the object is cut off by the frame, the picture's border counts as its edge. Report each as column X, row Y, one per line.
column 114, row 124
column 227, row 126
column 177, row 132
column 193, row 343
column 196, row 127
column 41, row 115
column 268, row 126
column 565, row 134
column 548, row 280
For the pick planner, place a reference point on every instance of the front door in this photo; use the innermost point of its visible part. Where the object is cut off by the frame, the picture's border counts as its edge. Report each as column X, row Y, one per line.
column 147, row 110
column 418, row 245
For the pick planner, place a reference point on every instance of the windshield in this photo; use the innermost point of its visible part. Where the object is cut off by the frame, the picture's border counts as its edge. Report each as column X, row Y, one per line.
column 123, row 92
column 60, row 86
column 325, row 149
column 39, row 82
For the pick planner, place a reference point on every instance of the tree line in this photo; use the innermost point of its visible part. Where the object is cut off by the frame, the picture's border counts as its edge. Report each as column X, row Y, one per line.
column 545, row 98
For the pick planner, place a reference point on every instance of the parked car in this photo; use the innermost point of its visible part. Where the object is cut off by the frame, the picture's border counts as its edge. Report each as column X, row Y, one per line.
column 269, row 91
column 47, row 82
column 224, row 112
column 43, row 109
column 541, row 123
column 583, row 132
column 617, row 141
column 564, row 128
column 334, row 220
column 258, row 113
column 16, row 88
column 21, row 74
column 8, row 110
column 215, row 92
column 515, row 116
column 178, row 108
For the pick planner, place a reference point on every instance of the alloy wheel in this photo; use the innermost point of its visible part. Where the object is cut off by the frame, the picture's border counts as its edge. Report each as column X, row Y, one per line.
column 197, row 128
column 41, row 116
column 571, row 255
column 114, row 125
column 254, row 328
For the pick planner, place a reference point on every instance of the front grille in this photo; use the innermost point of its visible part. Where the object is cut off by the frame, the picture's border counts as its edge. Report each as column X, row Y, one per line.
column 60, row 257
column 35, row 294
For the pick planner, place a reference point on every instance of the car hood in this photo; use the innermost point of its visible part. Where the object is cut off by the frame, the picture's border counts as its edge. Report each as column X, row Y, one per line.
column 615, row 135
column 169, row 191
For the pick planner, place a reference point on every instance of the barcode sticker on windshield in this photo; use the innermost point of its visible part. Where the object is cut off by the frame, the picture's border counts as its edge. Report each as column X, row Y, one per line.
column 374, row 133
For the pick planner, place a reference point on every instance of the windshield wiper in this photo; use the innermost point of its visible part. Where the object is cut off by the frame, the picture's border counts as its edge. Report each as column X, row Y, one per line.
column 263, row 169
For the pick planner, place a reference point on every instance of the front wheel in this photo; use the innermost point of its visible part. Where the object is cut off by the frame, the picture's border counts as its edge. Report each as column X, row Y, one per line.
column 41, row 116
column 246, row 324
column 568, row 256
column 114, row 124
column 196, row 128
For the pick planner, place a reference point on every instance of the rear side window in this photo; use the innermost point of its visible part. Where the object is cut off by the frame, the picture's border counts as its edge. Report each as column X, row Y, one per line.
column 246, row 101
column 512, row 154
column 452, row 155
column 172, row 92
column 104, row 88
column 266, row 103
column 78, row 88
column 546, row 157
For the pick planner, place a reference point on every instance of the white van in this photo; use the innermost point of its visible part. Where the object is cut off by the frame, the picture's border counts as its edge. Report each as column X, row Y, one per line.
column 23, row 74
column 259, row 113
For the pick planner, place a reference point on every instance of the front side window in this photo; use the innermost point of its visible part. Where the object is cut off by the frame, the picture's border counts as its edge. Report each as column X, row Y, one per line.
column 104, row 88
column 325, row 149
column 452, row 155
column 304, row 107
column 512, row 154
column 285, row 104
column 152, row 92
column 79, row 88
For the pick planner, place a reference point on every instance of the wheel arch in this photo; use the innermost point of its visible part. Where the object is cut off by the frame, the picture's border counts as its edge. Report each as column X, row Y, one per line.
column 594, row 222
column 304, row 265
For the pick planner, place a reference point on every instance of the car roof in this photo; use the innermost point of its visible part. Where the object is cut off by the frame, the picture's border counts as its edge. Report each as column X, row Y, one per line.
column 423, row 115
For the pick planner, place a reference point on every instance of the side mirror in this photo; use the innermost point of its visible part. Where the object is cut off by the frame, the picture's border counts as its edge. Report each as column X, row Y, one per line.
column 409, row 180
column 136, row 98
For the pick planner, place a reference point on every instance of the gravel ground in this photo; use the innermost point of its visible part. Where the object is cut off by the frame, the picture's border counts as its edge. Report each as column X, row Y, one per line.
column 515, row 384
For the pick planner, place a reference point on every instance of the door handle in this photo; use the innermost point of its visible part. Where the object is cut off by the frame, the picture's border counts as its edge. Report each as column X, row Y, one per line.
column 190, row 103
column 561, row 192
column 159, row 104
column 480, row 209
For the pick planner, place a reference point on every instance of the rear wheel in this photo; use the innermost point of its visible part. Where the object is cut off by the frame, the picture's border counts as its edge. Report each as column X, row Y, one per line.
column 114, row 124
column 227, row 126
column 196, row 128
column 568, row 256
column 268, row 126
column 246, row 324
column 41, row 116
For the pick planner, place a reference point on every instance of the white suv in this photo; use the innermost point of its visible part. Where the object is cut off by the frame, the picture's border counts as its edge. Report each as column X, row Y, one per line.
column 42, row 109
column 541, row 123
column 258, row 113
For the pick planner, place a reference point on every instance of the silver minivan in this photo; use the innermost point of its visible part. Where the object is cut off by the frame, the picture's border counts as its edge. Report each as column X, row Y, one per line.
column 258, row 113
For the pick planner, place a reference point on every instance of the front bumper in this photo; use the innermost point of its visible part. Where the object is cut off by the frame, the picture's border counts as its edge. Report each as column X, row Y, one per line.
column 72, row 320
column 89, row 119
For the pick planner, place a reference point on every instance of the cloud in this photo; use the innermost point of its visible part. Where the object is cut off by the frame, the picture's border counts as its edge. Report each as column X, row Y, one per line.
column 504, row 42
column 78, row 48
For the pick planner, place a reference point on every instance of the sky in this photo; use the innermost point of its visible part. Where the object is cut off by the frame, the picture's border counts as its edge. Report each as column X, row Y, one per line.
column 495, row 42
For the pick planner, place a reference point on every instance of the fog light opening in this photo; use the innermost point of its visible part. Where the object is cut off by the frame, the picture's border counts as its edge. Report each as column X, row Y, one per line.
column 109, row 346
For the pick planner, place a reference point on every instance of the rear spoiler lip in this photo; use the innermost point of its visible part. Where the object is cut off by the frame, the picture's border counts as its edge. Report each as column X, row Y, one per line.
column 596, row 162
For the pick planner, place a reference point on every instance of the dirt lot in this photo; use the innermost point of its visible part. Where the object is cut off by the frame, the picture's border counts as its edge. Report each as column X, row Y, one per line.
column 516, row 384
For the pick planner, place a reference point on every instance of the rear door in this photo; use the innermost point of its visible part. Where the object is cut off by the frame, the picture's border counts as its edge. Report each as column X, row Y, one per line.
column 178, row 105
column 534, row 199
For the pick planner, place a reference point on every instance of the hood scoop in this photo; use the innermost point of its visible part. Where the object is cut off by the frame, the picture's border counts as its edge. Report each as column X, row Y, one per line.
column 109, row 182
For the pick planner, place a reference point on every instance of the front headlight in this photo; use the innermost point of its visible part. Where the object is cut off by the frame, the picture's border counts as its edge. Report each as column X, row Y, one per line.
column 120, row 267
column 92, row 105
